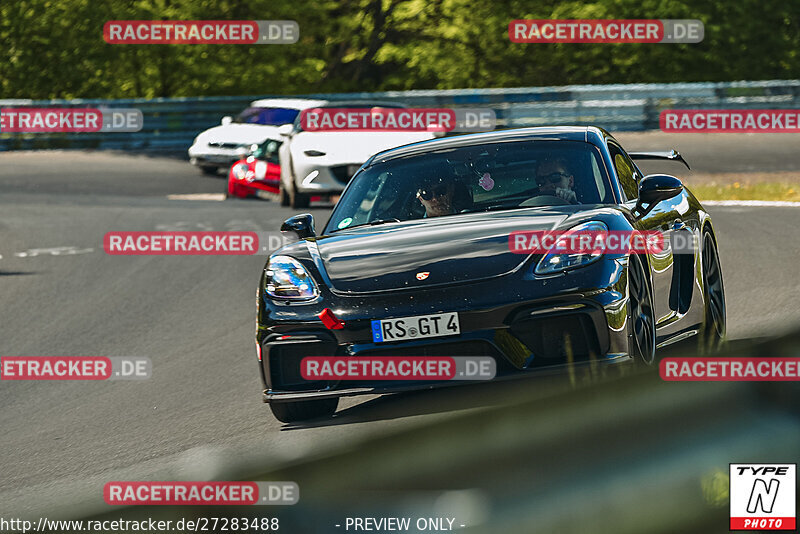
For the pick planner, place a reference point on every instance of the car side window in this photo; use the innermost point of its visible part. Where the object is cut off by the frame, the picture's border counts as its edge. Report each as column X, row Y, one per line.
column 598, row 180
column 626, row 171
column 271, row 152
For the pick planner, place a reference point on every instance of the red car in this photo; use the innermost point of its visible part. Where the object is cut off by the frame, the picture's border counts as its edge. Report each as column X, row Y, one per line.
column 256, row 174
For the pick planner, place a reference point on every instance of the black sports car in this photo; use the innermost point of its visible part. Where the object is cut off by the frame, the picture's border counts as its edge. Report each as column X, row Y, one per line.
column 423, row 231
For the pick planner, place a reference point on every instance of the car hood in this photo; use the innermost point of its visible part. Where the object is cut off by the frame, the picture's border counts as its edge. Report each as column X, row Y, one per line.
column 350, row 147
column 239, row 133
column 453, row 249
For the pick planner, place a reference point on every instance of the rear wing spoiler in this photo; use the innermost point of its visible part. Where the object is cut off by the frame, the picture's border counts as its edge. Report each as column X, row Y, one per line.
column 670, row 155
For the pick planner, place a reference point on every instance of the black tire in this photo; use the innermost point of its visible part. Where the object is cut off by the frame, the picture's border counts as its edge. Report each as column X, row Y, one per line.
column 209, row 170
column 298, row 200
column 712, row 334
column 641, row 317
column 285, row 200
column 290, row 412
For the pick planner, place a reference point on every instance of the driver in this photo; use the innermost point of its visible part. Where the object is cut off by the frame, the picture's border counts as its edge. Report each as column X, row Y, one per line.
column 554, row 178
column 436, row 195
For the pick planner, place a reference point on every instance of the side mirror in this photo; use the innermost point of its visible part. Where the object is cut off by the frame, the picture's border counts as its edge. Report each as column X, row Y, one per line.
column 654, row 188
column 285, row 129
column 302, row 225
column 226, row 120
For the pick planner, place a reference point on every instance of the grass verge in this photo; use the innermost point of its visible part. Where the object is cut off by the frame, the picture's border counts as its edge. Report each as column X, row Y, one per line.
column 746, row 191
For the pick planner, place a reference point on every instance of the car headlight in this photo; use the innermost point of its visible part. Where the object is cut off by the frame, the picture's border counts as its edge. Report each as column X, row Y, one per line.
column 240, row 170
column 556, row 260
column 286, row 278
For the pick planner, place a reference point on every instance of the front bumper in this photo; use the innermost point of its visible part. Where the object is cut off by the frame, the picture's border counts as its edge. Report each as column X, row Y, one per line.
column 329, row 393
column 534, row 336
column 207, row 156
column 256, row 186
column 324, row 179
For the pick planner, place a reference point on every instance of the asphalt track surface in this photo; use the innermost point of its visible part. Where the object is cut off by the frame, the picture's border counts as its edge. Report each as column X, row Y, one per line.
column 201, row 411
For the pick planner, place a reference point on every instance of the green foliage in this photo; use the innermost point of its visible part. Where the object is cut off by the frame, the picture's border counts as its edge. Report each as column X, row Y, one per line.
column 55, row 48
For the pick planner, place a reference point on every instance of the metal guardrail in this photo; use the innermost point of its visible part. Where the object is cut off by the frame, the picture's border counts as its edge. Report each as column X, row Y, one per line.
column 170, row 124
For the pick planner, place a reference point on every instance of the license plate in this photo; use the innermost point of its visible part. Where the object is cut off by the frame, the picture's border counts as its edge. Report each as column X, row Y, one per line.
column 419, row 327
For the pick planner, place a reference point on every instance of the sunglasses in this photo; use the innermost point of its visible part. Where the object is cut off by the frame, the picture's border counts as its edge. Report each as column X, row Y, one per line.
column 437, row 191
column 554, row 177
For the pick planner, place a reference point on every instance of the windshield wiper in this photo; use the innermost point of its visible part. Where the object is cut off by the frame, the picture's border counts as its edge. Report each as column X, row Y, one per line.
column 373, row 223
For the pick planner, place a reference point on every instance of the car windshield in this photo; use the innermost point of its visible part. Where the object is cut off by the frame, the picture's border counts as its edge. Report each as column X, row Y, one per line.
column 268, row 151
column 268, row 116
column 476, row 178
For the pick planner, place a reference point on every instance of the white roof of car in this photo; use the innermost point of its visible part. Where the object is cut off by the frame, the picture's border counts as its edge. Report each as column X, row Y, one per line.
column 291, row 103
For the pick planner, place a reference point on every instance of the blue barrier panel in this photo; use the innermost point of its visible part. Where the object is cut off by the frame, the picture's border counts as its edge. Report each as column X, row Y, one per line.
column 171, row 124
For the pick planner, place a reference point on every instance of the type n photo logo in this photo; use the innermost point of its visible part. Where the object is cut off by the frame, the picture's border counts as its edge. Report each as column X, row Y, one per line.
column 763, row 496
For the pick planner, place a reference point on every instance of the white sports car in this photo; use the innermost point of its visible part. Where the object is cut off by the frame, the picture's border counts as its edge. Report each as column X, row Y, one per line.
column 220, row 146
column 321, row 163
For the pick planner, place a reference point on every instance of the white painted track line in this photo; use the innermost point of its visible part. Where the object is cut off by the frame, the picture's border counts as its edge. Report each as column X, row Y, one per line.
column 198, row 196
column 753, row 203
